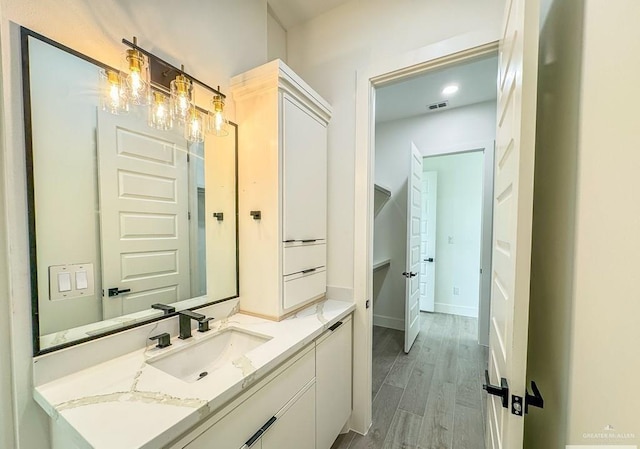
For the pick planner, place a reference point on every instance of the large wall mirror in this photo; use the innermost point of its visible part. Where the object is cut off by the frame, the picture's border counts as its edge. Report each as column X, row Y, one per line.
column 122, row 216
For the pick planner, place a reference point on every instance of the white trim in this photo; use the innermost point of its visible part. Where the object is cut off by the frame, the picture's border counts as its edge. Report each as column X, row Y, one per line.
column 388, row 321
column 458, row 48
column 484, row 298
column 453, row 309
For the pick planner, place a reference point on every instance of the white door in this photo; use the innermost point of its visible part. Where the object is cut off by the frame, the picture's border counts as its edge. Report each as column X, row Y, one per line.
column 144, row 229
column 412, row 273
column 513, row 211
column 428, row 241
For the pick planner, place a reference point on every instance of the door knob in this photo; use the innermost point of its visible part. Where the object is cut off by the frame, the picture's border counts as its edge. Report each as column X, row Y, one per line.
column 115, row 291
column 535, row 399
column 430, row 259
column 410, row 274
column 502, row 391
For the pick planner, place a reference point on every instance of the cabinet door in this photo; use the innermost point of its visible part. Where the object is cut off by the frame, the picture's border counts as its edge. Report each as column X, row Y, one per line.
column 240, row 424
column 333, row 383
column 304, row 140
column 295, row 429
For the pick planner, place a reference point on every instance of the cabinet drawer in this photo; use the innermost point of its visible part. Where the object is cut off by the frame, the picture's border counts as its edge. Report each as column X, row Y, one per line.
column 302, row 257
column 300, row 288
column 235, row 428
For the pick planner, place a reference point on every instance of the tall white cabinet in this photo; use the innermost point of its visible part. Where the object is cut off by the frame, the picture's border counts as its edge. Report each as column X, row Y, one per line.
column 282, row 177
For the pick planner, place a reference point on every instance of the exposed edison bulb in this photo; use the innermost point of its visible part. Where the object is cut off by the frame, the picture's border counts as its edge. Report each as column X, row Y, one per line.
column 194, row 126
column 138, row 78
column 160, row 111
column 113, row 98
column 217, row 124
column 181, row 98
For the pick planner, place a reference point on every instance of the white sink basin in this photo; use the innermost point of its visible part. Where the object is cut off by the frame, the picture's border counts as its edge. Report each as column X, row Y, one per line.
column 199, row 359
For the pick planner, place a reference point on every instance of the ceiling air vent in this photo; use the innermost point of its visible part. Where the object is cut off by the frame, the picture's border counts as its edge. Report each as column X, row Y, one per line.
column 439, row 105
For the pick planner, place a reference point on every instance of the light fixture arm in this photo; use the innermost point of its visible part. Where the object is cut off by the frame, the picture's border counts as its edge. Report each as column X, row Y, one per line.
column 134, row 45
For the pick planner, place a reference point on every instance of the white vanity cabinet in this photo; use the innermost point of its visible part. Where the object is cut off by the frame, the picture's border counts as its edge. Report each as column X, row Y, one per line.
column 282, row 185
column 303, row 404
column 273, row 407
column 333, row 382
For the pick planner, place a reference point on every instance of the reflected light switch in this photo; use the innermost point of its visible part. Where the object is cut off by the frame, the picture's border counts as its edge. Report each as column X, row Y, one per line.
column 64, row 282
column 81, row 280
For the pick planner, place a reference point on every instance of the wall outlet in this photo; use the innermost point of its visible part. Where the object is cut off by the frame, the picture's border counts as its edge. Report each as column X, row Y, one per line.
column 456, row 291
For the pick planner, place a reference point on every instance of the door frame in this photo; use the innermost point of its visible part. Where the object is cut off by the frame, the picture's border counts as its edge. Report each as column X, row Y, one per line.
column 378, row 74
column 486, row 221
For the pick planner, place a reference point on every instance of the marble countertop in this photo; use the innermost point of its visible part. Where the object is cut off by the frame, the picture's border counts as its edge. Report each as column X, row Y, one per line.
column 127, row 403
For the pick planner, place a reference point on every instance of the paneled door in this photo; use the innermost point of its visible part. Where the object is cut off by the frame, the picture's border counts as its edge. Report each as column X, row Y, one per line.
column 412, row 275
column 513, row 212
column 428, row 241
column 144, row 227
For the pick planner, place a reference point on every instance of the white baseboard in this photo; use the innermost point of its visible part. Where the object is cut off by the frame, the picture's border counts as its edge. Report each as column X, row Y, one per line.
column 340, row 293
column 387, row 321
column 453, row 309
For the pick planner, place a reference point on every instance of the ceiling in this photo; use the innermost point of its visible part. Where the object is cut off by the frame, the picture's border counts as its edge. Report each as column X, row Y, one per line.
column 293, row 12
column 476, row 81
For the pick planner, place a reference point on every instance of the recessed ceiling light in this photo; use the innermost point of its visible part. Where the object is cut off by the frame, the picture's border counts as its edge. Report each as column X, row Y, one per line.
column 450, row 89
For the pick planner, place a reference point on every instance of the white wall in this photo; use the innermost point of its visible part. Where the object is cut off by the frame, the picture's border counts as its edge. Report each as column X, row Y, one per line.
column 449, row 130
column 7, row 429
column 276, row 37
column 214, row 40
column 458, row 231
column 584, row 333
column 554, row 220
column 606, row 306
column 327, row 52
column 460, row 129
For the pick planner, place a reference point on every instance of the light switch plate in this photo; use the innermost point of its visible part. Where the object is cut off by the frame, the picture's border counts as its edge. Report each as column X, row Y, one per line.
column 75, row 281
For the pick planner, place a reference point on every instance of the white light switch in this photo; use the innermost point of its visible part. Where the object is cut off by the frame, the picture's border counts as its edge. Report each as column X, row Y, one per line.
column 71, row 281
column 81, row 280
column 64, row 282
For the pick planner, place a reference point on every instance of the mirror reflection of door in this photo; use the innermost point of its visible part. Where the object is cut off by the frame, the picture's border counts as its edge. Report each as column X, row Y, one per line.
column 144, row 219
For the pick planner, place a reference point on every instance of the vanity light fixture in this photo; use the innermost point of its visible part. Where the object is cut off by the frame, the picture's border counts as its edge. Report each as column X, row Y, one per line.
column 170, row 94
column 194, row 127
column 181, row 97
column 113, row 96
column 138, row 77
column 217, row 124
column 160, row 111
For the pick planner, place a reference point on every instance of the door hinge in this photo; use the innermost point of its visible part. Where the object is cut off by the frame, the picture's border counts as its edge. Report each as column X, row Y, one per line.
column 188, row 215
column 367, row 304
column 188, row 158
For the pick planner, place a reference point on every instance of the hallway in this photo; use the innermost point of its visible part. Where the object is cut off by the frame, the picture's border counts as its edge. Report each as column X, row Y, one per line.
column 431, row 398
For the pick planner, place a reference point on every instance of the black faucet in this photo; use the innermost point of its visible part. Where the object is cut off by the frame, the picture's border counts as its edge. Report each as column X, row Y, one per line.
column 203, row 326
column 167, row 309
column 185, row 317
column 164, row 340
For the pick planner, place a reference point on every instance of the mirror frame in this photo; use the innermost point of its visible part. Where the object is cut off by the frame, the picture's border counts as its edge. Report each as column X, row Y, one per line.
column 25, row 34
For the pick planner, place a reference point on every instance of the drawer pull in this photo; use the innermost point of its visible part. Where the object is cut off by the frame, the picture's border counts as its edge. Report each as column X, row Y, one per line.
column 310, row 270
column 289, row 241
column 309, row 241
column 268, row 424
column 335, row 326
column 256, row 436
